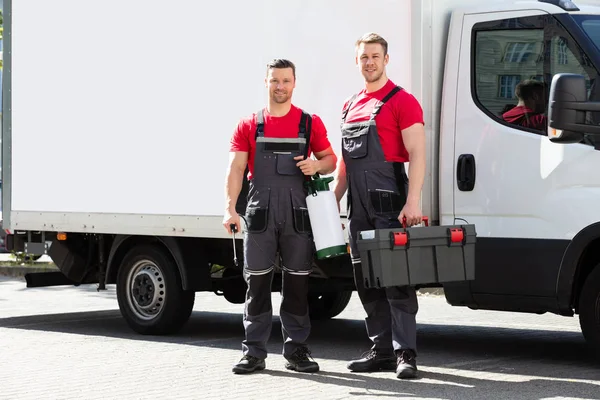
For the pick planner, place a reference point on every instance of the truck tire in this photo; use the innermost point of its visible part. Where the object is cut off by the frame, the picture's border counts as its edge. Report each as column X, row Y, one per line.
column 327, row 305
column 589, row 309
column 150, row 294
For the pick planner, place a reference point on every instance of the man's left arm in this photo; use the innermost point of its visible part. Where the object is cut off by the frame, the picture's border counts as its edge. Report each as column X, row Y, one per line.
column 414, row 142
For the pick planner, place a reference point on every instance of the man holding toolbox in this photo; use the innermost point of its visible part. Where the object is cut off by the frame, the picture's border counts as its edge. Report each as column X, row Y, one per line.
column 382, row 128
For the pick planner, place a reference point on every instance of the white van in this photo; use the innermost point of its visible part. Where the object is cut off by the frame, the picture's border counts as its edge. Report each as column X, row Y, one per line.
column 129, row 151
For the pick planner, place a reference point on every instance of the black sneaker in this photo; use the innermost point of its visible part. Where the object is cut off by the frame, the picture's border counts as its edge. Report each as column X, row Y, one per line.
column 374, row 360
column 249, row 364
column 299, row 361
column 406, row 365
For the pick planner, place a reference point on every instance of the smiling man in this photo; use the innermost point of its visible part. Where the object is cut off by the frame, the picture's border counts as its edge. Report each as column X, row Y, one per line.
column 275, row 145
column 382, row 128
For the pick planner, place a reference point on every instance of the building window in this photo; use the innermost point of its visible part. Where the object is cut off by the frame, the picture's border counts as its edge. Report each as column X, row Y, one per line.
column 506, row 86
column 562, row 52
column 518, row 52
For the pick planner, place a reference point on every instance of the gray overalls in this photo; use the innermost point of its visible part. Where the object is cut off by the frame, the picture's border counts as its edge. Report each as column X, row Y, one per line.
column 376, row 194
column 277, row 222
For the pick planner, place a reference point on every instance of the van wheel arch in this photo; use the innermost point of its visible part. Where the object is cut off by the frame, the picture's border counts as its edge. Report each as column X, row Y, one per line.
column 580, row 257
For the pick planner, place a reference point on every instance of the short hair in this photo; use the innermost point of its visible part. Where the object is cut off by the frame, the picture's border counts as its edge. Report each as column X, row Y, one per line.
column 526, row 89
column 372, row 37
column 281, row 63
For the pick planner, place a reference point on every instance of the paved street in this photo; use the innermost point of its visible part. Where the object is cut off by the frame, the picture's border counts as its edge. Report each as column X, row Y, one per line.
column 71, row 343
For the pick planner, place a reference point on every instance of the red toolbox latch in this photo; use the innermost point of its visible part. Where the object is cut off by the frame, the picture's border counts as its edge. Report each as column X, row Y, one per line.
column 399, row 239
column 456, row 235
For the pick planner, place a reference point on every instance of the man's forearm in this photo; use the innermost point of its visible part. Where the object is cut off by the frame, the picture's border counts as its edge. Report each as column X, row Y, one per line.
column 233, row 187
column 326, row 164
column 416, row 177
column 339, row 182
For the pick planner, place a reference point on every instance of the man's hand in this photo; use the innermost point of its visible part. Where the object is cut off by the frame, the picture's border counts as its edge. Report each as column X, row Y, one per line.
column 231, row 218
column 308, row 166
column 412, row 213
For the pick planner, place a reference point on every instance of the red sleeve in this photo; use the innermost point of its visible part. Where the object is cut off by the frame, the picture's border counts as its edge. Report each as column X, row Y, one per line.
column 318, row 136
column 346, row 103
column 409, row 111
column 240, row 139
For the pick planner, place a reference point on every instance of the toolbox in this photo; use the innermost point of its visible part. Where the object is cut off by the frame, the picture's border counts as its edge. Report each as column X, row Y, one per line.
column 420, row 255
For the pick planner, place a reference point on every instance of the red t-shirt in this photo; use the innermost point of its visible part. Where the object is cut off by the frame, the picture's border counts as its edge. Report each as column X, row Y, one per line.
column 244, row 136
column 400, row 112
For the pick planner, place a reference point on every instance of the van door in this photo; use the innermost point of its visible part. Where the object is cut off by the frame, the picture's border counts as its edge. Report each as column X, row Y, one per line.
column 511, row 182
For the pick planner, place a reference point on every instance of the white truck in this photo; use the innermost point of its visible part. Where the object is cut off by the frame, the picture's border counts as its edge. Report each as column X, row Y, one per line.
column 117, row 119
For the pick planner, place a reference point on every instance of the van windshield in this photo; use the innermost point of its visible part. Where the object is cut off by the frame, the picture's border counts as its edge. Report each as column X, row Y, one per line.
column 591, row 26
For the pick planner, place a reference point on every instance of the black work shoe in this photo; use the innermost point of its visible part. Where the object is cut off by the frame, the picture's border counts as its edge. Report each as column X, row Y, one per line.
column 299, row 361
column 406, row 364
column 249, row 364
column 373, row 360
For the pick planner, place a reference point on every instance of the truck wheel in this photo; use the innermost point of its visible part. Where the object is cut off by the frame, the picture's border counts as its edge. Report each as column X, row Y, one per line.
column 327, row 305
column 589, row 309
column 150, row 294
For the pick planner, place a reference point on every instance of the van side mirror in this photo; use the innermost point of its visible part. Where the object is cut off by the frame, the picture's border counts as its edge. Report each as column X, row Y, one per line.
column 567, row 109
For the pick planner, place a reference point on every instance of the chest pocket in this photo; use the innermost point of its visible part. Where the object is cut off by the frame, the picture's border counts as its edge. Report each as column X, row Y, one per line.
column 286, row 165
column 286, row 149
column 355, row 139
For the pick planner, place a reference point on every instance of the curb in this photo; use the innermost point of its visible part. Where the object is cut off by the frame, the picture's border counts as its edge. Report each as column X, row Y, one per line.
column 431, row 292
column 20, row 271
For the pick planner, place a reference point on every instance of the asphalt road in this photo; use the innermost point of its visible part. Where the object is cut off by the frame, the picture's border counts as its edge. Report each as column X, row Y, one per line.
column 71, row 343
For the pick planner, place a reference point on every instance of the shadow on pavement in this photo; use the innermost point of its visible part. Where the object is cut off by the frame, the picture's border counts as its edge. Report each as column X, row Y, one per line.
column 455, row 361
column 336, row 339
column 447, row 386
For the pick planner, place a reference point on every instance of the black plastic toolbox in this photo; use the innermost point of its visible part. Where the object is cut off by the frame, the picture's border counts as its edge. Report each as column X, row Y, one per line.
column 418, row 255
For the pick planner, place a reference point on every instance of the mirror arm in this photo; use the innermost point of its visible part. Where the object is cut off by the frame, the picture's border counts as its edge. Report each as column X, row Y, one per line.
column 588, row 129
column 591, row 106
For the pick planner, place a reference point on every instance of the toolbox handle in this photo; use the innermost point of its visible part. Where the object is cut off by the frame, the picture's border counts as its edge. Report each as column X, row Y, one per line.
column 425, row 219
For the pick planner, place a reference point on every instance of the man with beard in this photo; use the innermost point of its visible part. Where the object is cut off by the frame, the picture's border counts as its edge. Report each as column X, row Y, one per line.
column 275, row 143
column 382, row 128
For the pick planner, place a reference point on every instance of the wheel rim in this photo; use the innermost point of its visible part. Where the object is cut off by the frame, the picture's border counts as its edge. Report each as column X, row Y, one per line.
column 146, row 290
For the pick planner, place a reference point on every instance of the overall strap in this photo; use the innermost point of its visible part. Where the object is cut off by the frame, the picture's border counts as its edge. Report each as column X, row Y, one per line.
column 377, row 108
column 260, row 123
column 345, row 111
column 304, row 130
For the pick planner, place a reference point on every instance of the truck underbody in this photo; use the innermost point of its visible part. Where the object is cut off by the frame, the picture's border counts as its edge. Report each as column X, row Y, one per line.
column 145, row 266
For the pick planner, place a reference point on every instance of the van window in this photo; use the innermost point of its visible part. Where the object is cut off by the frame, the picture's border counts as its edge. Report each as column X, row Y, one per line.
column 509, row 64
column 513, row 64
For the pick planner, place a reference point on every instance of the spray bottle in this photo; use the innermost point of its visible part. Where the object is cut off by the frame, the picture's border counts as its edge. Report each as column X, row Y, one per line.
column 324, row 217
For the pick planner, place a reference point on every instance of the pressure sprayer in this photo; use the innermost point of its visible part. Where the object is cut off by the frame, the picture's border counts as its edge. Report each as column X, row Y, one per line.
column 324, row 217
